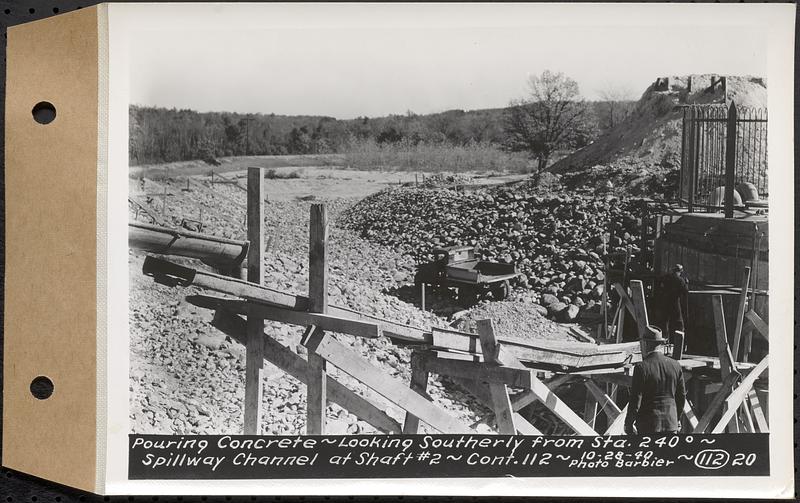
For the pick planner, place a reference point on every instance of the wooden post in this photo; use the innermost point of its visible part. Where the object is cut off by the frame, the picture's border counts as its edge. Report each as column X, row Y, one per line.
column 419, row 383
column 730, row 160
column 642, row 240
column 255, row 326
column 639, row 304
column 422, row 293
column 317, row 303
column 678, row 343
column 164, row 201
column 501, row 403
column 604, row 299
column 737, row 336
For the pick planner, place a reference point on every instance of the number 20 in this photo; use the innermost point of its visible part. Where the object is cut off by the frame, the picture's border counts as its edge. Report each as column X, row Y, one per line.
column 744, row 459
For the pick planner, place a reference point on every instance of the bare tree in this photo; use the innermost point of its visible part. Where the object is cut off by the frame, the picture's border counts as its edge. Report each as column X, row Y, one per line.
column 617, row 102
column 552, row 116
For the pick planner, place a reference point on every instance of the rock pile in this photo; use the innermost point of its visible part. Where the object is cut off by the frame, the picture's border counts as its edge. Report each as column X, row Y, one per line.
column 557, row 241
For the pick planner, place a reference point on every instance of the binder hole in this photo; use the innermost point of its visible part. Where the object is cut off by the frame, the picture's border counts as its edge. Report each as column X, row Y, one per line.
column 44, row 112
column 41, row 387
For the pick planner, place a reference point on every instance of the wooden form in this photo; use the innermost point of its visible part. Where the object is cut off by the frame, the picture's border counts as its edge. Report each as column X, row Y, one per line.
column 500, row 369
column 295, row 365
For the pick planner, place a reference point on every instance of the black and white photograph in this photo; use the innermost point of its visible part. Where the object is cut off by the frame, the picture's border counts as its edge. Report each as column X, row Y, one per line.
column 485, row 227
column 400, row 249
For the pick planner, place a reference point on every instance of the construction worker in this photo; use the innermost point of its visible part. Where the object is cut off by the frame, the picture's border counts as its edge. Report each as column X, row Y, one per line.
column 658, row 393
column 674, row 294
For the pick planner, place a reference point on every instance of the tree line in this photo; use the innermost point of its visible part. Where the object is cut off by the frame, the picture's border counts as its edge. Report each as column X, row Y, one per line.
column 527, row 125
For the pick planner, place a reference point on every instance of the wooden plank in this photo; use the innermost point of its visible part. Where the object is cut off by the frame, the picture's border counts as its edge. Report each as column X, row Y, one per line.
column 419, row 384
column 678, row 341
column 489, row 346
column 726, row 360
column 561, row 355
column 609, row 407
column 481, row 392
column 325, row 322
column 759, row 324
column 295, row 365
column 737, row 335
column 620, row 326
column 618, row 378
column 550, row 399
column 470, row 343
column 317, row 303
column 254, row 363
column 318, row 260
column 514, row 377
column 746, row 417
column 590, row 410
column 618, row 426
column 688, row 412
column 392, row 389
column 640, row 305
column 626, row 300
column 527, row 397
column 716, row 403
column 184, row 276
column 254, row 353
column 758, row 413
column 735, row 399
column 501, row 404
column 316, row 385
column 524, row 427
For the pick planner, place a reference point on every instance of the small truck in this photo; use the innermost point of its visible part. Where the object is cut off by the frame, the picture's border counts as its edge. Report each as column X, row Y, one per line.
column 456, row 267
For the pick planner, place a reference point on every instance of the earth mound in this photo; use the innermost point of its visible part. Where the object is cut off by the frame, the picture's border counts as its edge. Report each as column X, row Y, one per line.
column 640, row 156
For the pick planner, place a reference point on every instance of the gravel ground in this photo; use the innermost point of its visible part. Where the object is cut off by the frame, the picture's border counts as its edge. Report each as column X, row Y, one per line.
column 188, row 378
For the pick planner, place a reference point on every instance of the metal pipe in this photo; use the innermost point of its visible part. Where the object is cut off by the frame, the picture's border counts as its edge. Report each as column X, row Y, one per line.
column 225, row 254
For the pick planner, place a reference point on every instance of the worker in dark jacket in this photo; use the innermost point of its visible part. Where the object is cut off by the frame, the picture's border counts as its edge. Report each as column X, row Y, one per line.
column 658, row 392
column 674, row 289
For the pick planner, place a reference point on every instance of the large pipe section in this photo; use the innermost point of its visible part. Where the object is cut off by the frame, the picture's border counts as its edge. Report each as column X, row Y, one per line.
column 224, row 254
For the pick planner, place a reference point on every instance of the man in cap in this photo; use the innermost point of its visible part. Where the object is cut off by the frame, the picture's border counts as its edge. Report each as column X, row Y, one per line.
column 658, row 392
column 674, row 298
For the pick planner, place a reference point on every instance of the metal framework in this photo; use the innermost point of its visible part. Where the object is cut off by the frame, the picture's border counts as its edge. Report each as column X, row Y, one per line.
column 712, row 157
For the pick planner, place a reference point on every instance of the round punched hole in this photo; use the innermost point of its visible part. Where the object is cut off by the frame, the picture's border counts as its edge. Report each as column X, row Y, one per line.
column 31, row 11
column 55, row 10
column 44, row 112
column 41, row 387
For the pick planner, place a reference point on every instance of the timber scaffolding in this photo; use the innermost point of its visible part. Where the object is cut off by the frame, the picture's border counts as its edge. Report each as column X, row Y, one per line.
column 504, row 374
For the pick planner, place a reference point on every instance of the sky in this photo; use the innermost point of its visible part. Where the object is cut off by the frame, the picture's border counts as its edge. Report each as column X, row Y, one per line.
column 354, row 71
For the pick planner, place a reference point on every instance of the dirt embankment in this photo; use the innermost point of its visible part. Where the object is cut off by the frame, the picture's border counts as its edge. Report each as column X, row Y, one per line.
column 641, row 154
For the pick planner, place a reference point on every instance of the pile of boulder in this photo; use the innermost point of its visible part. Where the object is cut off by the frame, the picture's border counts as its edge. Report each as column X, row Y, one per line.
column 559, row 242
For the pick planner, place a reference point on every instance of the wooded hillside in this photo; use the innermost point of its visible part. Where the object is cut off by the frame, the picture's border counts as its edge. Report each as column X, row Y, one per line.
column 167, row 135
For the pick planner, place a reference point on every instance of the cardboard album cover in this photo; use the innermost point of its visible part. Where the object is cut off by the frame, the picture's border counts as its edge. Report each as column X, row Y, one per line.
column 401, row 249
